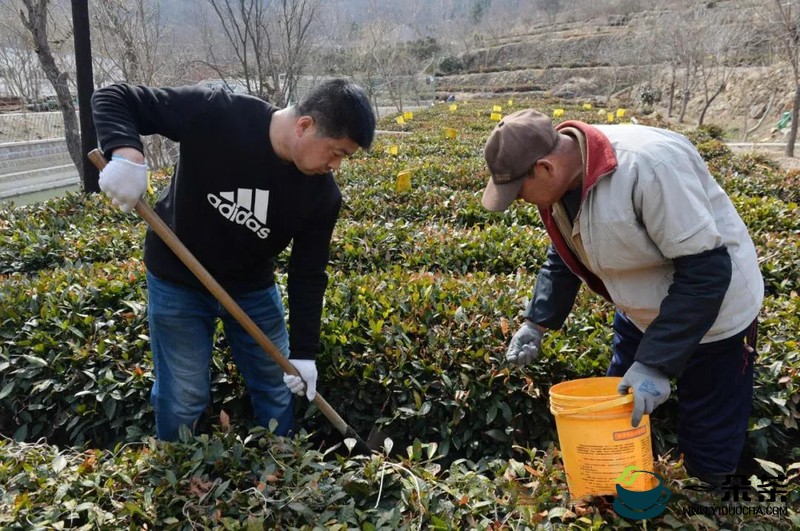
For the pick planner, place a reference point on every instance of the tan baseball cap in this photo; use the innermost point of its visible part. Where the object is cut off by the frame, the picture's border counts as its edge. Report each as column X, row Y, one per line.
column 517, row 142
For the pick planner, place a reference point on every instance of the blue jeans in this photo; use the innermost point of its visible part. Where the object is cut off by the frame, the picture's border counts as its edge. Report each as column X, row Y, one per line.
column 715, row 393
column 182, row 323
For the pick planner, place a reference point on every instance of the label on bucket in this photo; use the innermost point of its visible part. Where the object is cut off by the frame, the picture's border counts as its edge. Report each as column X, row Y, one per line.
column 630, row 434
column 595, row 457
column 600, row 465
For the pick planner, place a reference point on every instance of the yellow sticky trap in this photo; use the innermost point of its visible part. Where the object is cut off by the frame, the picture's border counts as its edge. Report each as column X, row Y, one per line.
column 449, row 132
column 496, row 116
column 393, row 150
column 149, row 187
column 497, row 108
column 558, row 113
column 400, row 120
column 403, row 182
column 587, row 106
column 620, row 113
column 408, row 115
column 453, row 107
column 610, row 117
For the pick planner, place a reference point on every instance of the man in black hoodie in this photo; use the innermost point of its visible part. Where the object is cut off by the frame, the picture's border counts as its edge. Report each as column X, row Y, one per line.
column 250, row 180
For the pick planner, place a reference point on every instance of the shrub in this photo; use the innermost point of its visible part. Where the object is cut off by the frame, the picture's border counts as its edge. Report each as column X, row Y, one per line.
column 73, row 367
column 426, row 289
column 263, row 482
column 451, row 65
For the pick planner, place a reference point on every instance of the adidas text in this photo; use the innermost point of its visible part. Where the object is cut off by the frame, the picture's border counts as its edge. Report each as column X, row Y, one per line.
column 238, row 215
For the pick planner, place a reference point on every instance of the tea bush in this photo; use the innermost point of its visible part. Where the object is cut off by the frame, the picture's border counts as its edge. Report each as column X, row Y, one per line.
column 426, row 288
column 64, row 232
column 73, row 359
column 258, row 481
column 360, row 247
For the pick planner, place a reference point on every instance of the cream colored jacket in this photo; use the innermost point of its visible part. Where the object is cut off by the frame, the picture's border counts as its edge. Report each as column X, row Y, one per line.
column 661, row 203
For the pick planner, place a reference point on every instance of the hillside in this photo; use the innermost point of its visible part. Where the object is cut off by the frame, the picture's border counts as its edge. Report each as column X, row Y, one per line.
column 608, row 60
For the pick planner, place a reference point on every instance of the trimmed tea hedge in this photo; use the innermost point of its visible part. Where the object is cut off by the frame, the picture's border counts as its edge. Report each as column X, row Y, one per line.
column 426, row 290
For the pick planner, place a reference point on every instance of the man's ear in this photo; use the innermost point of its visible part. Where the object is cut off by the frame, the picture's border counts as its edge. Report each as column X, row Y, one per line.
column 542, row 164
column 303, row 124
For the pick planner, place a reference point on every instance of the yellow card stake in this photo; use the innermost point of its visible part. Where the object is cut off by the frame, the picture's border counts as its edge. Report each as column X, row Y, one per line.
column 496, row 116
column 558, row 113
column 510, row 103
column 497, row 108
column 587, row 106
column 393, row 150
column 449, row 132
column 403, row 182
column 610, row 117
column 620, row 113
column 408, row 115
column 453, row 107
column 400, row 120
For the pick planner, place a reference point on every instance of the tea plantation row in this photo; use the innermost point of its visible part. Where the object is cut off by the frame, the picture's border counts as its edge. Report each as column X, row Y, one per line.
column 425, row 290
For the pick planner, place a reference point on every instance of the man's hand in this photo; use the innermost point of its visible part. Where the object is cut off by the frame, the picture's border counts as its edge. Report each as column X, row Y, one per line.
column 650, row 389
column 524, row 346
column 124, row 182
column 307, row 381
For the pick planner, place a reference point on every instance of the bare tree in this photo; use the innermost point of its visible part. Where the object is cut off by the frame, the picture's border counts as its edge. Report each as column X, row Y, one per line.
column 685, row 43
column 19, row 70
column 685, row 37
column 270, row 41
column 387, row 60
column 621, row 55
column 785, row 24
column 724, row 43
column 35, row 20
column 295, row 18
column 355, row 61
column 134, row 45
column 550, row 9
column 134, row 42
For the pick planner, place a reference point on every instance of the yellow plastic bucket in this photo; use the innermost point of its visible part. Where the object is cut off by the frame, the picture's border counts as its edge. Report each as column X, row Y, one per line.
column 597, row 440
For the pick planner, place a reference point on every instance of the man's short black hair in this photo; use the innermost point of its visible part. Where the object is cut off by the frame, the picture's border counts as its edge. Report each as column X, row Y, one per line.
column 340, row 109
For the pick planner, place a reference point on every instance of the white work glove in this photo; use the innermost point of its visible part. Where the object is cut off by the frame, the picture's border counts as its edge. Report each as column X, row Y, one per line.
column 124, row 182
column 307, row 381
column 524, row 346
column 650, row 389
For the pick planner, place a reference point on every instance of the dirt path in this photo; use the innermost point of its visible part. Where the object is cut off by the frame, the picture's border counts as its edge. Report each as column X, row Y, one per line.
column 775, row 152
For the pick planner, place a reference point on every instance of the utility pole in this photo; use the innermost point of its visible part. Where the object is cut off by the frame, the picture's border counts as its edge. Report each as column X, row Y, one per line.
column 85, row 79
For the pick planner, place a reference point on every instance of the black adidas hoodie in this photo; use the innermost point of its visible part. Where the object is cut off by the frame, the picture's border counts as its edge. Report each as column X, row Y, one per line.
column 231, row 201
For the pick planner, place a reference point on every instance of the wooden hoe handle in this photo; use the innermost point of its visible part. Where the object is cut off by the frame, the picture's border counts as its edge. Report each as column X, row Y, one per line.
column 202, row 274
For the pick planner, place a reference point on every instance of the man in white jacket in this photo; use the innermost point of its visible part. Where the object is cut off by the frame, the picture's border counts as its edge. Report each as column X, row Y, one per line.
column 634, row 213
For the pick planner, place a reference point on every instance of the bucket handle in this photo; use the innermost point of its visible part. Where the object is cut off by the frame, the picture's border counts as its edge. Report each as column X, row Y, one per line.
column 620, row 401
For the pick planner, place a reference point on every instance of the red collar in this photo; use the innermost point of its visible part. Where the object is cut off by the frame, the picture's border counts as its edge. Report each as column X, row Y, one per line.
column 600, row 157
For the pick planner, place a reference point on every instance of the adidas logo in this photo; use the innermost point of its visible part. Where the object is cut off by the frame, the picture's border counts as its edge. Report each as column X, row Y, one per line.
column 244, row 207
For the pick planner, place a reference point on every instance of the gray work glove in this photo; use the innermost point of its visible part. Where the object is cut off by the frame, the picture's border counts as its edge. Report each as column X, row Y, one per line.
column 524, row 346
column 650, row 389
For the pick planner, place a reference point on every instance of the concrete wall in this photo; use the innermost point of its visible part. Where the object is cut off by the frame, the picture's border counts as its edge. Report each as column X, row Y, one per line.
column 18, row 157
column 34, row 167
